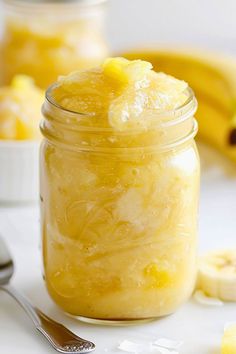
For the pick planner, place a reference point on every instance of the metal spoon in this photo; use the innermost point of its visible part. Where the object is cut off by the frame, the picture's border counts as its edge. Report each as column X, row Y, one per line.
column 63, row 340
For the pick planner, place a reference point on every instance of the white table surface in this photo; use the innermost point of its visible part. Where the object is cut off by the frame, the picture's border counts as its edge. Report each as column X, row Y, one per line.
column 200, row 327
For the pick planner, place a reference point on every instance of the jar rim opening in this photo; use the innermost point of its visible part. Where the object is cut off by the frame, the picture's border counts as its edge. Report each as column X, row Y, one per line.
column 176, row 116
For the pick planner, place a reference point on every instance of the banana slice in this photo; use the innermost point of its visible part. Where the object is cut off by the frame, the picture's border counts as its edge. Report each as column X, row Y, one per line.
column 217, row 274
column 228, row 345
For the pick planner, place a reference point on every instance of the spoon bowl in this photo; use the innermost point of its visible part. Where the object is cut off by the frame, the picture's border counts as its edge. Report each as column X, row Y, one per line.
column 6, row 264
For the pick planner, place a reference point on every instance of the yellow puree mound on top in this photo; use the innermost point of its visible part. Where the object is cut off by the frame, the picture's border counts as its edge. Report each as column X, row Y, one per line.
column 119, row 93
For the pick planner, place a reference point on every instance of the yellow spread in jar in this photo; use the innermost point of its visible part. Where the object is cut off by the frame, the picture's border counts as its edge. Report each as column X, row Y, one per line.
column 20, row 109
column 45, row 47
column 119, row 213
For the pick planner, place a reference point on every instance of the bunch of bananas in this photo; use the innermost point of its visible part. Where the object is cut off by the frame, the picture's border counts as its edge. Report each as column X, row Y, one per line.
column 213, row 79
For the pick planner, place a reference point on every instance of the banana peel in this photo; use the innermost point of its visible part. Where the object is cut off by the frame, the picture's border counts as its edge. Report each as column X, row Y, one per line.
column 213, row 79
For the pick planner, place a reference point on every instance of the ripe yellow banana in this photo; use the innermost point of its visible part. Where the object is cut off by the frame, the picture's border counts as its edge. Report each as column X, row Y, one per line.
column 213, row 79
column 217, row 275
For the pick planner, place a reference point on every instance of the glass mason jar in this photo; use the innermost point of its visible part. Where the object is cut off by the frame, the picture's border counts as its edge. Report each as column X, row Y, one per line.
column 47, row 39
column 119, row 214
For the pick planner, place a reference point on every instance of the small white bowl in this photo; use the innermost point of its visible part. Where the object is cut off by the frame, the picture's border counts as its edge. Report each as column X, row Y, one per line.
column 19, row 171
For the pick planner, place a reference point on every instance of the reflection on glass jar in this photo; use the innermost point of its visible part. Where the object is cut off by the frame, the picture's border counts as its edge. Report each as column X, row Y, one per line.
column 47, row 39
column 119, row 215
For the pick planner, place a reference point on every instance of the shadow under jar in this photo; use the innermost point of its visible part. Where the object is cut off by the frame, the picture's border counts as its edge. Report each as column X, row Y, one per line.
column 119, row 214
column 45, row 39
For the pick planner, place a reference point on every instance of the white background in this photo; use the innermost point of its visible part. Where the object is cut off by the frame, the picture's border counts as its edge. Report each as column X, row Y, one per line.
column 209, row 23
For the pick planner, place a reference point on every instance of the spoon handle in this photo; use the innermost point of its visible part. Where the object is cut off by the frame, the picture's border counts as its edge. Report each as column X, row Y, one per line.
column 61, row 338
column 24, row 303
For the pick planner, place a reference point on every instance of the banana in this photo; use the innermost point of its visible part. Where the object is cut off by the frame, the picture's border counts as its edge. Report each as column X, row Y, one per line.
column 213, row 79
column 215, row 129
column 217, row 275
column 228, row 345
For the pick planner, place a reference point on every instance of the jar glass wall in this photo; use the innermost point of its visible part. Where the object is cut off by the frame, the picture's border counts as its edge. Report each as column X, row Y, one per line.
column 119, row 215
column 47, row 39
